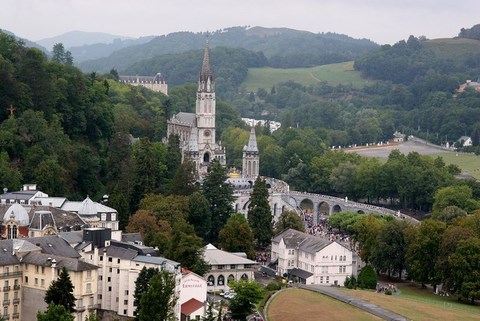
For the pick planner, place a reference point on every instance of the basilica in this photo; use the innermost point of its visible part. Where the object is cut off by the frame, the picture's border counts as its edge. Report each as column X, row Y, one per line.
column 196, row 131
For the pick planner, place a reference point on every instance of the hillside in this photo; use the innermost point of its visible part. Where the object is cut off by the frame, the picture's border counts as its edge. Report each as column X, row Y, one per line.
column 334, row 74
column 284, row 47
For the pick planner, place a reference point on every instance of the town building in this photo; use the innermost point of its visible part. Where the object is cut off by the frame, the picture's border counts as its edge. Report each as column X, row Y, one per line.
column 28, row 268
column 226, row 267
column 310, row 259
column 119, row 265
column 193, row 296
column 156, row 83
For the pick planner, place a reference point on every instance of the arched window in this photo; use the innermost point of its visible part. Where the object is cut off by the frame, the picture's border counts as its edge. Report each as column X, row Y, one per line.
column 231, row 278
column 211, row 280
column 221, row 280
column 244, row 276
column 206, row 158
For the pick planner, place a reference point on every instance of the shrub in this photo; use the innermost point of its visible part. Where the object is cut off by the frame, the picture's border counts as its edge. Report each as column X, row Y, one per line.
column 273, row 286
column 350, row 282
column 367, row 278
column 388, row 292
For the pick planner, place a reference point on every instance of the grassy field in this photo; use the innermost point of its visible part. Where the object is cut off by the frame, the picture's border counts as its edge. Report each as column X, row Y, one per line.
column 469, row 163
column 297, row 304
column 334, row 74
column 420, row 304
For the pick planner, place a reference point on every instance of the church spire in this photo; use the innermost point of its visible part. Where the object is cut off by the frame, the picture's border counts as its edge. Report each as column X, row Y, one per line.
column 252, row 143
column 206, row 82
column 206, row 70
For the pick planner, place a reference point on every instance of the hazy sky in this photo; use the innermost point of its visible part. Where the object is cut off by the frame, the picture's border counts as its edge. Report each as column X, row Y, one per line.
column 383, row 21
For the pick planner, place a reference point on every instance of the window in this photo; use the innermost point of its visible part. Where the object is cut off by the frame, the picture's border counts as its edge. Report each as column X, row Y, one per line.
column 89, row 274
column 327, row 279
column 101, row 257
column 36, row 281
column 36, row 268
column 99, row 297
column 220, row 267
column 125, row 302
column 109, row 289
column 89, row 287
column 341, row 258
column 26, row 267
column 126, row 292
column 42, row 283
column 109, row 259
column 110, row 270
column 118, row 271
column 340, row 269
column 43, row 270
column 26, row 280
column 113, row 216
column 232, row 267
column 109, row 279
column 321, row 279
column 5, row 296
column 125, row 312
column 118, row 261
column 100, row 277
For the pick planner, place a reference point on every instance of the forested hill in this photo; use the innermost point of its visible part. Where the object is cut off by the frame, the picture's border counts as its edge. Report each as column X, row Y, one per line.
column 283, row 47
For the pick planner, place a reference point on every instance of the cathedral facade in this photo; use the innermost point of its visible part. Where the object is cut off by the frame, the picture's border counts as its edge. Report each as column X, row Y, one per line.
column 196, row 131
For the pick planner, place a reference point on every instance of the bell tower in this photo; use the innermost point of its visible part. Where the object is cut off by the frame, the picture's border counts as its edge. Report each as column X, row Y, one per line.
column 205, row 109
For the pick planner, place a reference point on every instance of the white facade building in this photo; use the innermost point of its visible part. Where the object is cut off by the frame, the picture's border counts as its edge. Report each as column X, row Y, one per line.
column 311, row 259
column 193, row 296
column 226, row 267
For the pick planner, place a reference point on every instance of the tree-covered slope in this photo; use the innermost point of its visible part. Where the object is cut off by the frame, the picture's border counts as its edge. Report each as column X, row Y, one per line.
column 285, row 47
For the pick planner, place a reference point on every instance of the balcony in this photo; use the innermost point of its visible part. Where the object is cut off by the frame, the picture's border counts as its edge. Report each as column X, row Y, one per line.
column 16, row 315
column 80, row 309
column 16, row 287
column 10, row 274
column 7, row 288
column 6, row 302
column 94, row 306
column 16, row 300
column 6, row 316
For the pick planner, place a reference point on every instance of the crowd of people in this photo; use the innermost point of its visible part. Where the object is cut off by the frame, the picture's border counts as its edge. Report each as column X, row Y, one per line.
column 323, row 229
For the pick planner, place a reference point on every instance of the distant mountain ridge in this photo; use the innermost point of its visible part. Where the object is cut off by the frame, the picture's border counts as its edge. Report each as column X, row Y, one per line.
column 79, row 38
column 283, row 46
column 27, row 42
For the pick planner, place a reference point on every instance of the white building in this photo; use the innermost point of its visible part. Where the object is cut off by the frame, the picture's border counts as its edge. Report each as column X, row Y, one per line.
column 311, row 259
column 193, row 296
column 226, row 267
column 120, row 264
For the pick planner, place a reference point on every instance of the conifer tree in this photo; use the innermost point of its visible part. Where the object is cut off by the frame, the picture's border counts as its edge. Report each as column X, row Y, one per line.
column 259, row 214
column 142, row 285
column 158, row 302
column 60, row 292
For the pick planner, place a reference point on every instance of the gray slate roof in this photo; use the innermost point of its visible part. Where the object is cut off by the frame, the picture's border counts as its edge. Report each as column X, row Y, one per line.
column 305, row 242
column 300, row 273
column 71, row 264
column 55, row 245
column 183, row 118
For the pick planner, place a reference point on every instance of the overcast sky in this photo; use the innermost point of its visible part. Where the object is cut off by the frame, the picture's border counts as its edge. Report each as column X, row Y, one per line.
column 382, row 21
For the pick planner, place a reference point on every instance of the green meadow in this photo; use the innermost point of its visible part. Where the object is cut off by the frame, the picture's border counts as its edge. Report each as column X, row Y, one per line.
column 334, row 74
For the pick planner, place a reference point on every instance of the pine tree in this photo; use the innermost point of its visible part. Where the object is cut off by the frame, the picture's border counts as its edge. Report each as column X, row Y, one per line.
column 158, row 302
column 142, row 285
column 60, row 292
column 219, row 195
column 259, row 214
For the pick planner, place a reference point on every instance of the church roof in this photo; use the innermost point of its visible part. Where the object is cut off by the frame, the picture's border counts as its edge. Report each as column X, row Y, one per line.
column 252, row 142
column 186, row 119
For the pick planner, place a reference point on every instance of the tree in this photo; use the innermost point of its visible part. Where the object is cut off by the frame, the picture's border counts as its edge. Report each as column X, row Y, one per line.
column 388, row 254
column 158, row 302
column 237, row 236
column 460, row 196
column 185, row 180
column 423, row 243
column 55, row 312
column 289, row 219
column 219, row 195
column 199, row 215
column 186, row 248
column 260, row 214
column 365, row 231
column 367, row 278
column 247, row 294
column 449, row 214
column 465, row 264
column 60, row 292
column 142, row 285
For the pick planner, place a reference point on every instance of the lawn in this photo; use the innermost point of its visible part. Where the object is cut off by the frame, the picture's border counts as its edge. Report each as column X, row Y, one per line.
column 298, row 304
column 469, row 163
column 334, row 74
column 420, row 304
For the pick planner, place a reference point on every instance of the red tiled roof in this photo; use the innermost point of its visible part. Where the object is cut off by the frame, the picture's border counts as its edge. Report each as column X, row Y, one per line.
column 191, row 306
